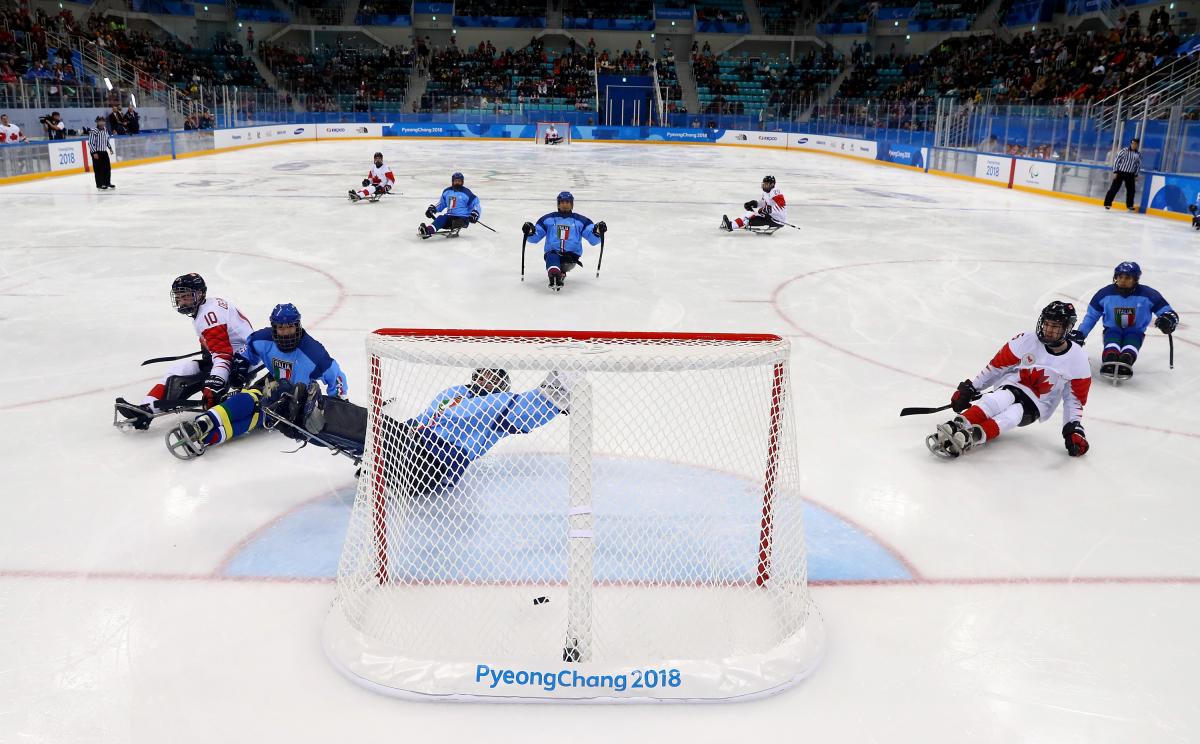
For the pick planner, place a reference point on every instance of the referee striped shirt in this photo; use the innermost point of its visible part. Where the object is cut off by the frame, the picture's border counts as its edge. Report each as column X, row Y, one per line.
column 98, row 140
column 1128, row 161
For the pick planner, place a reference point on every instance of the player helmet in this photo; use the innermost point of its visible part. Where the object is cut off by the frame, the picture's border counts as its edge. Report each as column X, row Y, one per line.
column 1132, row 269
column 457, row 178
column 768, row 183
column 379, row 158
column 1056, row 312
column 485, row 381
column 286, row 330
column 188, row 293
column 567, row 197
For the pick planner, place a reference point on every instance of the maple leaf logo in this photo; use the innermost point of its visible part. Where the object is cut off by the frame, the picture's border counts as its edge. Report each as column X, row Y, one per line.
column 1036, row 380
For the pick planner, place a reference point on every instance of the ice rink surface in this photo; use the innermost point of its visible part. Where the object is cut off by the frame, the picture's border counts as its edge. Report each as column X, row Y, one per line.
column 1041, row 598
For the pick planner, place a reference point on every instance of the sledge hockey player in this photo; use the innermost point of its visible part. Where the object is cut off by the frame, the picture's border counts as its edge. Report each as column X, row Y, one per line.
column 1125, row 307
column 434, row 448
column 766, row 215
column 222, row 329
column 551, row 135
column 289, row 354
column 1029, row 376
column 461, row 206
column 1195, row 210
column 379, row 181
column 565, row 231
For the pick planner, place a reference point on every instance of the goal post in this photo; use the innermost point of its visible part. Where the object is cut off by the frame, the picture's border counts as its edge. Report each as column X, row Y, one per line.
column 576, row 516
column 547, row 132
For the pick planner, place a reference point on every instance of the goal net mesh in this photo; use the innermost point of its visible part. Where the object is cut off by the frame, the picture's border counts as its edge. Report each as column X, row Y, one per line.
column 607, row 501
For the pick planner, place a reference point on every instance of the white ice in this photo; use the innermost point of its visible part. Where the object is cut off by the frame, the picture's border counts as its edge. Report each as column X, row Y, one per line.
column 1053, row 599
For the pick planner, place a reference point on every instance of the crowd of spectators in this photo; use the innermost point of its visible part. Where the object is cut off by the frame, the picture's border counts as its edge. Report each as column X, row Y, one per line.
column 520, row 8
column 24, row 52
column 782, row 86
column 337, row 78
column 631, row 9
column 1049, row 66
column 483, row 77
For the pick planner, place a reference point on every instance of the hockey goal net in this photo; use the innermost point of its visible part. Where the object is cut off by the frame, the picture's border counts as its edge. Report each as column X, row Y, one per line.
column 547, row 131
column 615, row 516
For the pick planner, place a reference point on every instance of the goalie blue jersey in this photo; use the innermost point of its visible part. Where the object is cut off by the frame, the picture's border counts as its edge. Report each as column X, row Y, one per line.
column 564, row 234
column 475, row 423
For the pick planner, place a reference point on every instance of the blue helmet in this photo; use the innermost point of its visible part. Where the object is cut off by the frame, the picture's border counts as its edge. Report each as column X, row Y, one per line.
column 566, row 196
column 457, row 177
column 1131, row 268
column 286, row 315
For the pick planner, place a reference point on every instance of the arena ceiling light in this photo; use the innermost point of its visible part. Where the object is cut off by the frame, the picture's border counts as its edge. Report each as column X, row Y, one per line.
column 108, row 83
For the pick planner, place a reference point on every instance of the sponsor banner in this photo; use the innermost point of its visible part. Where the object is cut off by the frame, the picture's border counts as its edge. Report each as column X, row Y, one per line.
column 902, row 154
column 841, row 145
column 1037, row 174
column 339, row 131
column 1173, row 193
column 242, row 136
column 993, row 168
column 426, row 130
column 766, row 139
column 65, row 155
column 665, row 134
column 673, row 14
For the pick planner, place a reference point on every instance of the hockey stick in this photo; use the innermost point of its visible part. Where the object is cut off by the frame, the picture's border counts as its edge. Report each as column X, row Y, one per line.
column 309, row 436
column 477, row 222
column 1171, row 344
column 156, row 360
column 524, row 240
column 918, row 411
column 601, row 256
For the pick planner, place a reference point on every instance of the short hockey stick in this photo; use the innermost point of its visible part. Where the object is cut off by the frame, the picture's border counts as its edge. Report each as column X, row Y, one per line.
column 601, row 256
column 1171, row 344
column 477, row 222
column 918, row 411
column 156, row 360
column 524, row 240
column 309, row 436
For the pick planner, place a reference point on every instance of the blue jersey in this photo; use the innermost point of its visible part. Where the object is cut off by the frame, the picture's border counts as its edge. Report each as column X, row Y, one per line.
column 458, row 202
column 564, row 233
column 474, row 423
column 1130, row 313
column 309, row 362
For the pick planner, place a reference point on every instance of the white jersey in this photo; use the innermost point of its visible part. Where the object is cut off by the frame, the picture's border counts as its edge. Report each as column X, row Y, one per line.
column 773, row 205
column 222, row 330
column 1047, row 378
column 10, row 134
column 381, row 175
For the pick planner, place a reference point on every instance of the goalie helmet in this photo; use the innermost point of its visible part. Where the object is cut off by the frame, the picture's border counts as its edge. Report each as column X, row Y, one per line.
column 188, row 293
column 286, row 330
column 1056, row 312
column 485, row 381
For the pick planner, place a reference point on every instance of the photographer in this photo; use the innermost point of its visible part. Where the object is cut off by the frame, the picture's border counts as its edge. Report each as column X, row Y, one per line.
column 55, row 127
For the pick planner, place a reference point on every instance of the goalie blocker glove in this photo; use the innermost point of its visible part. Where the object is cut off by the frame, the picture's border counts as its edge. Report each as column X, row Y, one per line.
column 1074, row 439
column 963, row 397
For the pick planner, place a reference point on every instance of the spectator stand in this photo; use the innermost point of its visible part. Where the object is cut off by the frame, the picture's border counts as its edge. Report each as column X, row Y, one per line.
column 336, row 79
column 609, row 15
column 500, row 14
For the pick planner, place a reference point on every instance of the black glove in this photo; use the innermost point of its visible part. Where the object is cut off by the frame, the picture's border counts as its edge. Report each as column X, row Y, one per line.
column 474, row 217
column 750, row 205
column 366, row 182
column 1192, row 208
column 1074, row 440
column 527, row 228
column 214, row 386
column 1076, row 337
column 380, row 190
column 429, row 213
column 601, row 228
column 1167, row 322
column 963, row 396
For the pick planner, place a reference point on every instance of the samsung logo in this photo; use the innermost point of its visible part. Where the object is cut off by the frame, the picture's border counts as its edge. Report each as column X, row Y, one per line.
column 802, row 141
column 299, row 131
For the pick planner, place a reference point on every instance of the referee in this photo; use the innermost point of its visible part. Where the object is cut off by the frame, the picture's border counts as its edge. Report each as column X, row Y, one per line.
column 1125, row 170
column 98, row 142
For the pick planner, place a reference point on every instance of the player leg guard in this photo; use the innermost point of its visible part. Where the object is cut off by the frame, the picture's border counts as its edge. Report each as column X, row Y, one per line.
column 182, row 387
column 568, row 261
column 726, row 224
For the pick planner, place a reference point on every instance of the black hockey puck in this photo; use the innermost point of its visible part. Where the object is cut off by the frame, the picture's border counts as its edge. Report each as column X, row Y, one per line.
column 540, row 600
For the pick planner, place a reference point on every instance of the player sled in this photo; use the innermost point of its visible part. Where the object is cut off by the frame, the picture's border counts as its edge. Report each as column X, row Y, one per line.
column 447, row 232
column 1118, row 372
column 128, row 415
column 770, row 229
